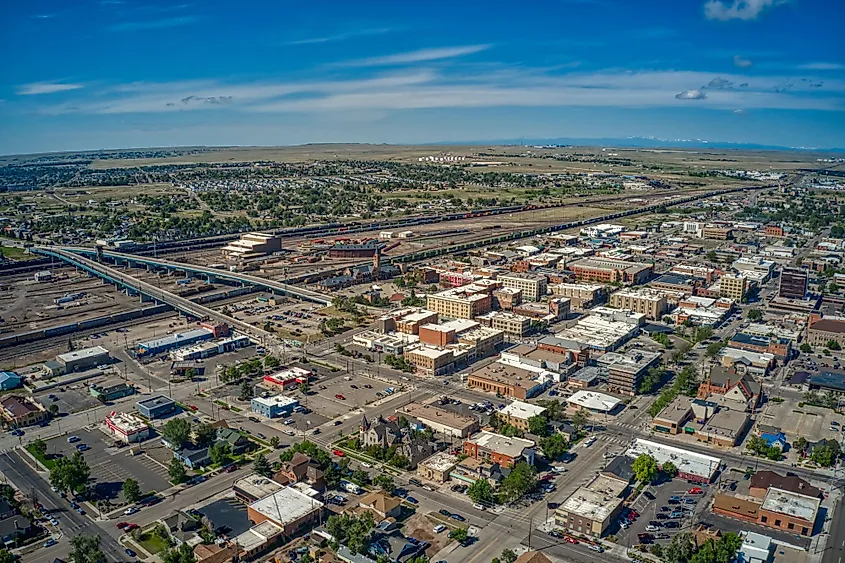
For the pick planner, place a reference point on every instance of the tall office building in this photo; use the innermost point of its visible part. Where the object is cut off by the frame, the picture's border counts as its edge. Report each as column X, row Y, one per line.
column 793, row 283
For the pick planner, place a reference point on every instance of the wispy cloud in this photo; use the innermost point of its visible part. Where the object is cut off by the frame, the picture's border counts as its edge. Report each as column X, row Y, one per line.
column 154, row 24
column 36, row 88
column 741, row 62
column 45, row 16
column 822, row 66
column 691, row 95
column 724, row 10
column 341, row 36
column 421, row 55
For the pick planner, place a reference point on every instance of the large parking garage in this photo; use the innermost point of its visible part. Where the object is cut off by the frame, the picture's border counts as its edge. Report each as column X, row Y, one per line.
column 111, row 466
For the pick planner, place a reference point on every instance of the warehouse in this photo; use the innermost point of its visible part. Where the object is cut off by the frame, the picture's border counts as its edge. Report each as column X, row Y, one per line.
column 79, row 360
column 171, row 341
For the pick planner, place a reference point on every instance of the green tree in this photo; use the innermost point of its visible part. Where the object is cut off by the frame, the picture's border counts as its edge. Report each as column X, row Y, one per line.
column 220, row 453
column 520, row 480
column 755, row 315
column 304, row 388
column 131, row 490
column 580, row 418
column 352, row 531
column 806, row 348
column 86, row 549
column 656, row 549
column 481, row 492
column 538, row 425
column 190, row 373
column 460, row 535
column 702, row 333
column 53, row 410
column 177, row 432
column 833, row 345
column 182, row 554
column 650, row 380
column 680, row 549
column 70, row 473
column 711, row 256
column 714, row 348
column 271, row 362
column 385, row 482
column 204, row 434
column 39, row 447
column 669, row 469
column 554, row 446
column 832, row 287
column 177, row 471
column 274, row 442
column 507, row 556
column 827, row 453
column 7, row 557
column 246, row 391
column 262, row 466
column 801, row 444
column 645, row 469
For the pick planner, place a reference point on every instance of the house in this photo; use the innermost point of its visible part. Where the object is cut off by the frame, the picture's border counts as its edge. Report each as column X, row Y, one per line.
column 738, row 389
column 235, row 439
column 193, row 458
column 379, row 432
column 495, row 448
column 301, row 469
column 777, row 439
column 381, row 505
column 20, row 411
column 9, row 380
column 568, row 430
column 14, row 527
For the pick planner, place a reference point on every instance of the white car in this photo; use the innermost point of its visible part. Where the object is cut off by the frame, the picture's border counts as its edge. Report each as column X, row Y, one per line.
column 478, row 506
column 439, row 528
column 130, row 511
column 367, row 465
column 590, row 441
column 596, row 548
column 651, row 528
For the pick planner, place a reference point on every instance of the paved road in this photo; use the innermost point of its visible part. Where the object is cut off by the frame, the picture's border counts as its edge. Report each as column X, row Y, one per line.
column 71, row 524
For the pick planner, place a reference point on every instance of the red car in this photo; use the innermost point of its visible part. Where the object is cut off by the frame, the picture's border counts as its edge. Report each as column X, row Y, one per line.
column 231, row 469
column 338, row 453
column 696, row 491
column 122, row 525
column 193, row 408
column 633, row 513
column 570, row 539
column 339, row 396
column 547, row 477
column 130, row 527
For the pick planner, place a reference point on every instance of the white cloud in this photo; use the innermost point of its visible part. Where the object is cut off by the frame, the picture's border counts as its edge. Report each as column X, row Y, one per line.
column 36, row 88
column 822, row 66
column 724, row 10
column 741, row 62
column 418, row 56
column 719, row 84
column 340, row 36
column 691, row 95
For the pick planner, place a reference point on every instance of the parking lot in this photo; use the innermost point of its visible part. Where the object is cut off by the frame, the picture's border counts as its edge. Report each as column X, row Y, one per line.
column 294, row 320
column 74, row 398
column 649, row 510
column 813, row 423
column 334, row 397
column 111, row 466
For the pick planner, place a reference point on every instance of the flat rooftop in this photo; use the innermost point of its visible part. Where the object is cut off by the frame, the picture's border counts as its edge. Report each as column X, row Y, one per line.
column 256, row 486
column 258, row 535
column 157, row 401
column 791, row 504
column 441, row 461
column 85, row 353
column 512, row 447
column 700, row 465
column 275, row 401
column 507, row 374
column 521, row 410
column 594, row 401
column 590, row 504
column 286, row 506
column 425, row 413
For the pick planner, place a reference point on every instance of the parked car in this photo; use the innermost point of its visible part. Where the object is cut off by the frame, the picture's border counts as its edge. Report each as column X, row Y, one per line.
column 595, row 547
column 72, row 439
column 338, row 453
column 458, row 517
column 50, row 543
column 121, row 525
column 671, row 524
column 696, row 491
column 439, row 528
column 339, row 396
column 445, row 512
column 556, row 534
column 570, row 539
column 412, row 500
column 130, row 511
column 415, row 482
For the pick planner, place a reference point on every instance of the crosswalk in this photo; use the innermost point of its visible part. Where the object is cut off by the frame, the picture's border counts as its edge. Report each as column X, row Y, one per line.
column 614, row 439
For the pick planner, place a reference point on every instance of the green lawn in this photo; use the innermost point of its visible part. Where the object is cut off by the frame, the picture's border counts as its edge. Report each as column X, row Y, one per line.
column 48, row 463
column 15, row 253
column 152, row 543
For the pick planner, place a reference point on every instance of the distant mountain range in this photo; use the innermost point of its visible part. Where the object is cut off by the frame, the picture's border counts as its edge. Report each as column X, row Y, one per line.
column 643, row 142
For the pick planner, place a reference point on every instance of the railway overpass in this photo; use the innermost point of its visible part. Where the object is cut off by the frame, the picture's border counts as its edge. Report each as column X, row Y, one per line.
column 211, row 274
column 134, row 286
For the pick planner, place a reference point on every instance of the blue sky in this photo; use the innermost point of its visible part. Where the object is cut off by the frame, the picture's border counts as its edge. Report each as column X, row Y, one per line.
column 94, row 74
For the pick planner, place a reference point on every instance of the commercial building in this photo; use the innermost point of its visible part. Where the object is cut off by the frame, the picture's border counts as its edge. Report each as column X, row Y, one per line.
column 509, row 323
column 733, row 287
column 288, row 378
column 591, row 509
column 592, row 401
column 291, row 510
column 679, row 283
column 791, row 512
column 440, row 420
column 649, row 302
column 793, row 283
column 21, row 411
column 495, row 448
column 507, row 380
column 79, row 360
column 755, row 548
column 437, row 467
column 171, row 341
column 365, row 250
column 762, row 269
column 717, row 232
column 605, row 330
column 672, row 418
column 725, row 427
column 624, row 371
column 127, row 427
column 763, row 480
column 506, row 298
column 459, row 303
column 702, row 311
column 828, row 382
column 775, row 345
column 9, row 380
column 691, row 465
column 254, row 487
column 532, row 286
column 273, row 407
column 822, row 331
column 111, row 392
column 258, row 540
column 156, row 407
column 251, row 246
column 746, row 361
column 611, row 271
column 431, row 360
column 209, row 349
column 581, row 295
column 517, row 414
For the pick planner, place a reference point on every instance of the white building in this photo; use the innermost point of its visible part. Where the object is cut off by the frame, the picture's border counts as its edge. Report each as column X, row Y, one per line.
column 691, row 465
column 126, row 427
column 593, row 401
